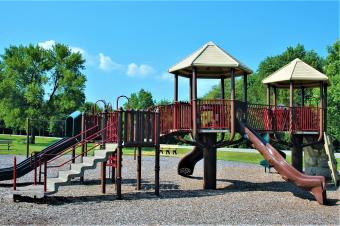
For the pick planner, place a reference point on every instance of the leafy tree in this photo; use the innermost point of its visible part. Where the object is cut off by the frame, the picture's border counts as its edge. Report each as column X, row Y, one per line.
column 141, row 100
column 332, row 70
column 39, row 84
column 163, row 102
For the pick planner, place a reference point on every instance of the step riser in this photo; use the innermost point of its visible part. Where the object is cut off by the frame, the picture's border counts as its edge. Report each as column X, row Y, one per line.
column 80, row 168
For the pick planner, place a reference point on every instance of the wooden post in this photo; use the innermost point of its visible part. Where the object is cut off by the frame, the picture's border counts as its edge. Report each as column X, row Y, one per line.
column 157, row 154
column 222, row 88
column 232, row 104
column 193, row 101
column 297, row 156
column 176, row 88
column 209, row 155
column 45, row 175
column 274, row 96
column 291, row 105
column 103, row 177
column 73, row 154
column 83, row 137
column 268, row 94
column 325, row 107
column 302, row 96
column 139, row 168
column 245, row 88
column 14, row 173
column 28, row 138
column 190, row 88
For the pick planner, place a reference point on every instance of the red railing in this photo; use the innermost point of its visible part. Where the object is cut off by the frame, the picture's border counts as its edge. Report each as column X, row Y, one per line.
column 174, row 117
column 213, row 114
column 271, row 118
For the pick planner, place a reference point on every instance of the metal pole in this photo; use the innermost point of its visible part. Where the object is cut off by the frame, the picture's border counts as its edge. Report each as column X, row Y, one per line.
column 139, row 168
column 14, row 173
column 45, row 175
column 291, row 103
column 232, row 103
column 103, row 177
column 73, row 154
column 28, row 138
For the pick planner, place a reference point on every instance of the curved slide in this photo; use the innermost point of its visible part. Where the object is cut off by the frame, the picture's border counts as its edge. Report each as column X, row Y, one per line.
column 314, row 184
column 27, row 165
column 187, row 164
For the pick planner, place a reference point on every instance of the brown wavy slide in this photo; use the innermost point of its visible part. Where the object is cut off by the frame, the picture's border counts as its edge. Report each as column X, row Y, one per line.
column 314, row 184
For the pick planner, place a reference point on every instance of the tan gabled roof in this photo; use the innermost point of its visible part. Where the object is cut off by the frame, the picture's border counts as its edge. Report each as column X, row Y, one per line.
column 297, row 71
column 210, row 61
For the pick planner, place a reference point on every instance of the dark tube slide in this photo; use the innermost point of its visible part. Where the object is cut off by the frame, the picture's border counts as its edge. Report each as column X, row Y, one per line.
column 187, row 164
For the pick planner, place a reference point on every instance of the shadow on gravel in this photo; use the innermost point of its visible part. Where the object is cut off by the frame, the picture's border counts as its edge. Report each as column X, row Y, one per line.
column 275, row 186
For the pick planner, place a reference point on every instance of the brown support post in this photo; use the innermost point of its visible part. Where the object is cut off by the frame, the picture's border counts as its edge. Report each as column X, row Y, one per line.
column 232, row 107
column 73, row 154
column 325, row 107
column 119, row 155
column 291, row 105
column 222, row 88
column 302, row 96
column 209, row 155
column 157, row 154
column 297, row 156
column 103, row 177
column 176, row 88
column 245, row 88
column 190, row 88
column 268, row 94
column 274, row 96
column 83, row 136
column 139, row 168
column 193, row 102
column 322, row 111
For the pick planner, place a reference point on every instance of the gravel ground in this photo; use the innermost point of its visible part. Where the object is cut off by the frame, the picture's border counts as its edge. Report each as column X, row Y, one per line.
column 245, row 195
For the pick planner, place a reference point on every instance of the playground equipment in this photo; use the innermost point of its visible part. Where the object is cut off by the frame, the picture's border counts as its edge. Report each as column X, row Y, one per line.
column 202, row 120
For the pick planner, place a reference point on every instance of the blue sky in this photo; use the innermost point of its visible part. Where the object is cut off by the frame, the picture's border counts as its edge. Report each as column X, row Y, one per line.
column 130, row 45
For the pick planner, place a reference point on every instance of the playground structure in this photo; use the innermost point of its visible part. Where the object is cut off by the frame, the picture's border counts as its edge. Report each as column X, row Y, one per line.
column 203, row 120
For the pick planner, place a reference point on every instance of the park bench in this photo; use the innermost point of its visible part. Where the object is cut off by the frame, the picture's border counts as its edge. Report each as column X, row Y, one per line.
column 7, row 143
column 168, row 149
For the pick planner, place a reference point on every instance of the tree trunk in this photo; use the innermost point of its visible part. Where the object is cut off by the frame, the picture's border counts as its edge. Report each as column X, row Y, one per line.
column 32, row 137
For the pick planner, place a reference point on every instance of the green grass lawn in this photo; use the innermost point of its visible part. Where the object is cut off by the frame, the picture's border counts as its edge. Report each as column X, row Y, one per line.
column 19, row 148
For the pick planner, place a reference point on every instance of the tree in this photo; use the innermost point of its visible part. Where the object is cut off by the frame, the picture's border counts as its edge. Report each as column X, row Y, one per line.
column 141, row 100
column 163, row 102
column 39, row 84
column 332, row 70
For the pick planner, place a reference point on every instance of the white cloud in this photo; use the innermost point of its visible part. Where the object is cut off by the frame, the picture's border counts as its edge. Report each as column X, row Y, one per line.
column 78, row 50
column 47, row 44
column 107, row 64
column 133, row 70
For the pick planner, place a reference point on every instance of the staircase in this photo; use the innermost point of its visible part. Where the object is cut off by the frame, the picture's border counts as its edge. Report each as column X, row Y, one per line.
column 65, row 176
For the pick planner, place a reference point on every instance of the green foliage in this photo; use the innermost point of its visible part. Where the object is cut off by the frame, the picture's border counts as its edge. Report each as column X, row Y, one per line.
column 39, row 84
column 163, row 102
column 332, row 70
column 141, row 100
